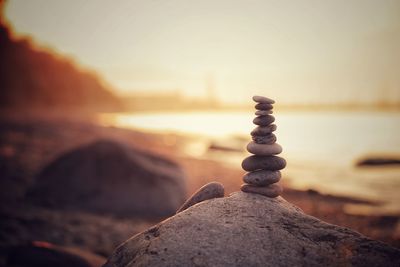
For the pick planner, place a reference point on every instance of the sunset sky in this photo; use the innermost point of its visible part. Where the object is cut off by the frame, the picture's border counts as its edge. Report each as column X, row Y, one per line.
column 293, row 51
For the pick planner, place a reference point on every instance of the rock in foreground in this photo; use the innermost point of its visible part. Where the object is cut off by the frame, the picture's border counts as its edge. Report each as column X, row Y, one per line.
column 110, row 177
column 250, row 230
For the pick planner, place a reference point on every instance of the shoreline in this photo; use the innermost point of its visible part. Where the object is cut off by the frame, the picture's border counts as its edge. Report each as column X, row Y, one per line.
column 315, row 161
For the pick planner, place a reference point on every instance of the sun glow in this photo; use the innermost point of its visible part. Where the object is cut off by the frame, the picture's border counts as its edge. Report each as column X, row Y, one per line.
column 302, row 52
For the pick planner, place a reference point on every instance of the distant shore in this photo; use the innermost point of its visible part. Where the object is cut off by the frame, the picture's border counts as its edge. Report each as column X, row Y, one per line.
column 196, row 106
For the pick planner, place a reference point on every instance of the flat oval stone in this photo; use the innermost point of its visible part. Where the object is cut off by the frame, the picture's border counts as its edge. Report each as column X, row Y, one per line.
column 263, row 149
column 263, row 112
column 272, row 190
column 272, row 163
column 208, row 191
column 263, row 130
column 264, row 120
column 262, row 178
column 263, row 106
column 264, row 139
column 263, row 99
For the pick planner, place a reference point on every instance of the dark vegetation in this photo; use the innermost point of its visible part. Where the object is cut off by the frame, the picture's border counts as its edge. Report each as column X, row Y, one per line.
column 33, row 78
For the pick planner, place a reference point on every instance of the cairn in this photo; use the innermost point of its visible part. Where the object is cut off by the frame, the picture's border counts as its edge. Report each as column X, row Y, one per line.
column 263, row 166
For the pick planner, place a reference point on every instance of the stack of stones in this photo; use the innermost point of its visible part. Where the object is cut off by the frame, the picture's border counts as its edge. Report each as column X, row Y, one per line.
column 264, row 166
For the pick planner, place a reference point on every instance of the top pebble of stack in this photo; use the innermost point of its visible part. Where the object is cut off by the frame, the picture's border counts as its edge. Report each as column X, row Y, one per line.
column 263, row 100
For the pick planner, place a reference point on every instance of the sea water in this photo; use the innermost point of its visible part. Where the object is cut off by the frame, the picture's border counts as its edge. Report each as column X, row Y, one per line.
column 321, row 147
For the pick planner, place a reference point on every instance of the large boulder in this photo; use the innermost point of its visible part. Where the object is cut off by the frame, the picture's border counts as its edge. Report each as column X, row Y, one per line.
column 110, row 177
column 246, row 229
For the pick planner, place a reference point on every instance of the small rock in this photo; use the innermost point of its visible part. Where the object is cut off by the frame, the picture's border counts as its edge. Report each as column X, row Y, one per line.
column 263, row 99
column 266, row 139
column 264, row 120
column 264, row 149
column 262, row 178
column 379, row 161
column 272, row 163
column 262, row 106
column 208, row 191
column 263, row 112
column 263, row 130
column 272, row 190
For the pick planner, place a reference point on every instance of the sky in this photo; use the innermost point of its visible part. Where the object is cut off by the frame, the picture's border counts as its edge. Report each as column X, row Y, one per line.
column 308, row 51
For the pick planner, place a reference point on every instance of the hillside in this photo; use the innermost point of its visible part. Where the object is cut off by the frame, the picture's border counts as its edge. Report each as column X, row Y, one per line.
column 33, row 78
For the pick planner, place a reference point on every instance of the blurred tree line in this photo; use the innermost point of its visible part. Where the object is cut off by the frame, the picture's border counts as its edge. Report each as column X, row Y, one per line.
column 38, row 79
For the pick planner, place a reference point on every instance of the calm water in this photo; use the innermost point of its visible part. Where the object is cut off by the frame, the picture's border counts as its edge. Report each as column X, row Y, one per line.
column 321, row 148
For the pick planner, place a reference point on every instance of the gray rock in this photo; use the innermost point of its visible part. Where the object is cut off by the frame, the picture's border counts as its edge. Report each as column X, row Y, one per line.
column 272, row 163
column 263, row 112
column 273, row 190
column 250, row 230
column 110, row 177
column 264, row 149
column 264, row 120
column 208, row 191
column 266, row 139
column 261, row 178
column 263, row 99
column 262, row 106
column 263, row 130
column 372, row 161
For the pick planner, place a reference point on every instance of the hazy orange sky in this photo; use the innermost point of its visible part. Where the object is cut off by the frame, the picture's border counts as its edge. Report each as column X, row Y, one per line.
column 293, row 51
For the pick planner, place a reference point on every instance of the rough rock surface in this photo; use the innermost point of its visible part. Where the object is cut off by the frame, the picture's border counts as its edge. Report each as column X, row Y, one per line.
column 110, row 177
column 250, row 230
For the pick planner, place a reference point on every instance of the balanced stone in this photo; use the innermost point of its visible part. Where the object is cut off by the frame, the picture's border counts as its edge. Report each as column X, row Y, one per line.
column 263, row 99
column 272, row 163
column 264, row 120
column 273, row 190
column 264, row 166
column 263, row 130
column 263, row 106
column 263, row 112
column 262, row 178
column 264, row 139
column 263, row 149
